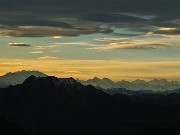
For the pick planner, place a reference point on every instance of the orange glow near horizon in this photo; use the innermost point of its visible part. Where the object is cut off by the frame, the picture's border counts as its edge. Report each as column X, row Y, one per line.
column 86, row 69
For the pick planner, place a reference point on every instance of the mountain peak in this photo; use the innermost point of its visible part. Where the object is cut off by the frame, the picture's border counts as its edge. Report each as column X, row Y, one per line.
column 138, row 81
column 18, row 77
column 161, row 82
column 50, row 81
column 96, row 78
column 105, row 78
column 33, row 72
column 99, row 83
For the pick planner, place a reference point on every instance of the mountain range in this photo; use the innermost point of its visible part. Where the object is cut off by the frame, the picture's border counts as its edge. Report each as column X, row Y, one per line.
column 12, row 79
column 51, row 105
column 41, row 103
column 154, row 85
column 124, row 91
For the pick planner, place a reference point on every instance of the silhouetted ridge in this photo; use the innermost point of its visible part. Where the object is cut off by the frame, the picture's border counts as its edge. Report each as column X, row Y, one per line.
column 54, row 102
column 50, row 81
column 18, row 77
column 50, row 105
column 30, row 79
column 154, row 85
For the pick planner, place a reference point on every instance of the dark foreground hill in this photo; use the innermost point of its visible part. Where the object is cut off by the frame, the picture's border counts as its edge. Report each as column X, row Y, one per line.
column 9, row 128
column 52, row 106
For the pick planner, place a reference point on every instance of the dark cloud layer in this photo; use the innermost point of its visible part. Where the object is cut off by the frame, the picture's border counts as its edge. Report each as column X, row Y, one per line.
column 111, row 18
column 92, row 13
column 21, row 20
column 46, row 31
column 69, row 7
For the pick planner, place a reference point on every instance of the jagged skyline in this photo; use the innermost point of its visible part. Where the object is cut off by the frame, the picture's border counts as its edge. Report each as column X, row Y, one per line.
column 12, row 79
column 91, row 78
column 85, row 69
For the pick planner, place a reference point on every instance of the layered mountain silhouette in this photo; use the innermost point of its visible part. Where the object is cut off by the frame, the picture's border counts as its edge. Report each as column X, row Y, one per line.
column 154, row 85
column 42, row 102
column 11, row 79
column 50, row 105
column 17, row 77
column 124, row 91
column 140, row 92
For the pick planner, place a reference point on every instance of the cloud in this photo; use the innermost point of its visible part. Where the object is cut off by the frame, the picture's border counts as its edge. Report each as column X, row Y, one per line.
column 143, row 42
column 29, row 20
column 168, row 31
column 75, row 43
column 112, row 17
column 15, row 64
column 110, row 39
column 138, row 45
column 56, row 51
column 72, row 72
column 140, row 15
column 19, row 44
column 58, row 37
column 47, row 58
column 37, row 52
column 67, row 18
column 43, row 47
column 47, row 31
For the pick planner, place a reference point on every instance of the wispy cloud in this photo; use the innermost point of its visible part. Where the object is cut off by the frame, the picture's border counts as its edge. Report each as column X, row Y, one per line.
column 47, row 58
column 144, row 42
column 110, row 39
column 72, row 72
column 167, row 31
column 43, row 47
column 16, row 64
column 138, row 45
column 51, row 31
column 56, row 51
column 147, row 17
column 80, row 43
column 37, row 52
column 19, row 44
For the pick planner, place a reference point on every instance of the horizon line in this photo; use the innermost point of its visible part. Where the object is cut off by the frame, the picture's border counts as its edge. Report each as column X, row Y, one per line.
column 101, row 78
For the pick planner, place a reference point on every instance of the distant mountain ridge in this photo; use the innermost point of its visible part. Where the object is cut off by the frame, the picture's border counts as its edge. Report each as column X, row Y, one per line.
column 123, row 91
column 18, row 77
column 104, row 83
column 154, row 85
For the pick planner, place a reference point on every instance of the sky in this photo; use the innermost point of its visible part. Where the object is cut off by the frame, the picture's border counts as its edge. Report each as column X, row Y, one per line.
column 119, row 39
